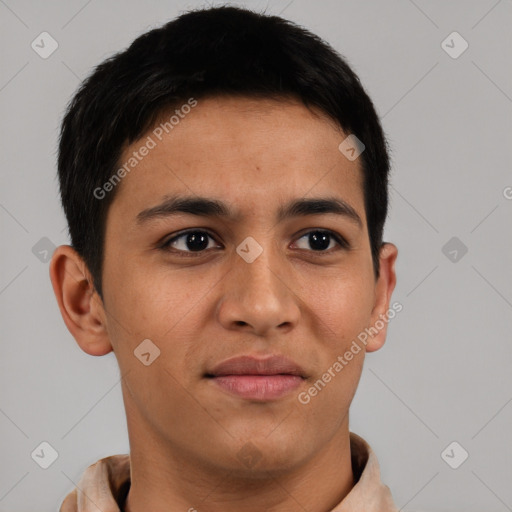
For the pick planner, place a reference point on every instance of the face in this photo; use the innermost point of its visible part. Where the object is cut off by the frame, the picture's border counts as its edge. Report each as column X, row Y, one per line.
column 286, row 289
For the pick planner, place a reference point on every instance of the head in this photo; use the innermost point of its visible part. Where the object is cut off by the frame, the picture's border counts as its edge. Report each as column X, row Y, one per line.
column 213, row 211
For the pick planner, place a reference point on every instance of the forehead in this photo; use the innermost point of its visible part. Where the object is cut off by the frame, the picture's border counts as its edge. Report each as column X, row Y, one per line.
column 251, row 151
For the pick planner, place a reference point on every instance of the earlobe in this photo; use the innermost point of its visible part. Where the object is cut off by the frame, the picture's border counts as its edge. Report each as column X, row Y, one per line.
column 383, row 289
column 80, row 306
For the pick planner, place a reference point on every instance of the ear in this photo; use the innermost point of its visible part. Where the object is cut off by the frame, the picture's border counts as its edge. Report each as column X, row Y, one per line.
column 384, row 287
column 80, row 305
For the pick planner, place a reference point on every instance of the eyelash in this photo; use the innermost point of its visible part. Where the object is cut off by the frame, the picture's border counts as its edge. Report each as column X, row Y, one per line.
column 342, row 243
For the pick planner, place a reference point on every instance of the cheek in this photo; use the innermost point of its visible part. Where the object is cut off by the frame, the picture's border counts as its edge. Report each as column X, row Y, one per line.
column 150, row 303
column 342, row 305
column 162, row 307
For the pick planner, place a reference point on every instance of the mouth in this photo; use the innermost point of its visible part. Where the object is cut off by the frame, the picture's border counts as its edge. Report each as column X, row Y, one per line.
column 259, row 379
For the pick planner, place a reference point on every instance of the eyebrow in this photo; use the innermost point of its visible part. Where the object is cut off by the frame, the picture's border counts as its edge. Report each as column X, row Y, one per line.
column 209, row 207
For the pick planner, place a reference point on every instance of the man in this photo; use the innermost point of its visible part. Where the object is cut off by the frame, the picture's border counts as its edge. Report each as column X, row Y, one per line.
column 225, row 185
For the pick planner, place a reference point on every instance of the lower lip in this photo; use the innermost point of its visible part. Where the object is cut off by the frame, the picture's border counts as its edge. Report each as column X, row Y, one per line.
column 258, row 387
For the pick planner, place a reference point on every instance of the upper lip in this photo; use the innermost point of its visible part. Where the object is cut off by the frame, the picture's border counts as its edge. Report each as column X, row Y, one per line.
column 252, row 365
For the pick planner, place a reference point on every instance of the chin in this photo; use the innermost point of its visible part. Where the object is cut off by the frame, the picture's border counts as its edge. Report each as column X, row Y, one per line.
column 268, row 454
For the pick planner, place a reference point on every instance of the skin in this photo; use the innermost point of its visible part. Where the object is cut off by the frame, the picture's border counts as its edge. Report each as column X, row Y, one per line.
column 185, row 433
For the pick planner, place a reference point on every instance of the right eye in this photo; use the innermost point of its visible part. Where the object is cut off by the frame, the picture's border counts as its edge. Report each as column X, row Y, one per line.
column 189, row 243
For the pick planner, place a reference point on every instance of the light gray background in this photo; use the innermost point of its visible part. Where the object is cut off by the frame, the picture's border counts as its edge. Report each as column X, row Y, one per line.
column 445, row 372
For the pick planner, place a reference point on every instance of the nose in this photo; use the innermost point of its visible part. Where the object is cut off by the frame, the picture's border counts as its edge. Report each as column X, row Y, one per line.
column 259, row 297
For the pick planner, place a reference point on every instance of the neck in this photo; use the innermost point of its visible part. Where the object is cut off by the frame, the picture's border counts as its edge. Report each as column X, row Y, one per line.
column 164, row 477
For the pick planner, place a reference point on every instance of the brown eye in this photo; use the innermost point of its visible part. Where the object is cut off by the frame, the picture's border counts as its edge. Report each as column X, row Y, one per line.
column 192, row 241
column 321, row 240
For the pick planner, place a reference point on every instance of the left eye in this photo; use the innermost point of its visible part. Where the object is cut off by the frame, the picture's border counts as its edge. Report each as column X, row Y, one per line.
column 320, row 240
